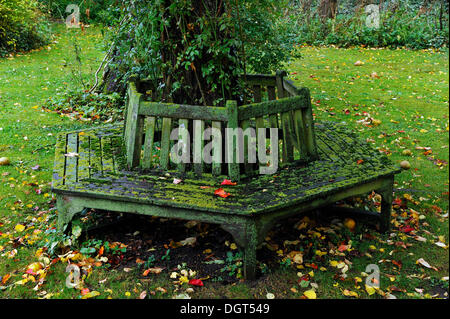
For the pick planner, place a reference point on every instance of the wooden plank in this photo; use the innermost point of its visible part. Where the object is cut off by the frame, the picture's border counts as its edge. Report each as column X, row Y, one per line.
column 148, row 142
column 286, row 125
column 60, row 161
column 300, row 134
column 273, row 123
column 117, row 153
column 198, row 144
column 71, row 159
column 290, row 88
column 279, row 83
column 260, row 79
column 181, row 111
column 183, row 138
column 134, row 126
column 272, row 107
column 233, row 123
column 259, row 120
column 310, row 134
column 95, row 156
column 84, row 161
column 260, row 124
column 165, row 143
column 107, row 155
column 217, row 145
column 248, row 167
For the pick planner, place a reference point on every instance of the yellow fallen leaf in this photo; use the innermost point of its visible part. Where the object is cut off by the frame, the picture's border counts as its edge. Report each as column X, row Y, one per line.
column 350, row 293
column 370, row 290
column 310, row 294
column 19, row 228
column 91, row 294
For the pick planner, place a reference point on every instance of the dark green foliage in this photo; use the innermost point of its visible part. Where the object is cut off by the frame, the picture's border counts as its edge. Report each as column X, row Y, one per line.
column 193, row 51
column 89, row 105
column 99, row 11
column 22, row 26
column 401, row 26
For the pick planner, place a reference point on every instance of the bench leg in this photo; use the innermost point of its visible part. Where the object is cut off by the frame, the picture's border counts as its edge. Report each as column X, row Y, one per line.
column 386, row 206
column 246, row 233
column 67, row 208
column 250, row 247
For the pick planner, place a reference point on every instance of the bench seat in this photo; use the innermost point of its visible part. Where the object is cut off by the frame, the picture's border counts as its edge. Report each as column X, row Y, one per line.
column 91, row 172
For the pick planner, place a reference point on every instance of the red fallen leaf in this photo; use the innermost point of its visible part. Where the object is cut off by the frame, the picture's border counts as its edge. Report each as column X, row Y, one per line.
column 31, row 272
column 220, row 192
column 397, row 201
column 5, row 278
column 228, row 182
column 196, row 282
column 84, row 291
column 406, row 229
column 398, row 264
column 343, row 248
column 347, row 111
column 359, row 161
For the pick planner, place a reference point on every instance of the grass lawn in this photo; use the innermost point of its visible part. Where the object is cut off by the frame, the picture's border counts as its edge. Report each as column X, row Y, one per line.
column 397, row 100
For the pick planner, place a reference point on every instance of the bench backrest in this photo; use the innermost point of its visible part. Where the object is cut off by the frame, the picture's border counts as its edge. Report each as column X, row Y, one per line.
column 276, row 103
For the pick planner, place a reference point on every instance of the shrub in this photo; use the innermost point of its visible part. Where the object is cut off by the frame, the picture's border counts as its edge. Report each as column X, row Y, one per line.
column 22, row 26
column 87, row 105
column 402, row 28
column 91, row 11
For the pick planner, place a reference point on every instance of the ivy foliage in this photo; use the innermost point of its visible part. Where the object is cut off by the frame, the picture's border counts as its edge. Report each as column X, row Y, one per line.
column 195, row 51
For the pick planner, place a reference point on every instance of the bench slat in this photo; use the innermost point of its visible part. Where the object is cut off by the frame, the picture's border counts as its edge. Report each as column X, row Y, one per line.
column 60, row 161
column 84, row 161
column 198, row 144
column 96, row 156
column 183, row 135
column 286, row 125
column 107, row 155
column 217, row 145
column 233, row 122
column 72, row 158
column 165, row 143
column 248, row 167
column 148, row 142
column 300, row 134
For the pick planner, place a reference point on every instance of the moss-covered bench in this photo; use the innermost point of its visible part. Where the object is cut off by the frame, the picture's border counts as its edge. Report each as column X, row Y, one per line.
column 128, row 168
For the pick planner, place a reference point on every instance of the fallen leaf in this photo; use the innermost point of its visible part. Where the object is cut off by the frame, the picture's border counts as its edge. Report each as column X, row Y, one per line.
column 228, row 182
column 220, row 192
column 310, row 294
column 422, row 262
column 196, row 282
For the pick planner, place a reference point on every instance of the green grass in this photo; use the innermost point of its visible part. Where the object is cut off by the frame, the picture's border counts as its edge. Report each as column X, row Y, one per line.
column 410, row 99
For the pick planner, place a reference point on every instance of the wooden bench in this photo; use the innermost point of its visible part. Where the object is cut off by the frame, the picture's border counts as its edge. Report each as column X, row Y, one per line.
column 129, row 169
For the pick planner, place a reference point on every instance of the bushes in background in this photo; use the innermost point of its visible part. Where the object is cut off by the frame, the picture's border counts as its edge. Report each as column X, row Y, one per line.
column 405, row 26
column 98, row 11
column 23, row 27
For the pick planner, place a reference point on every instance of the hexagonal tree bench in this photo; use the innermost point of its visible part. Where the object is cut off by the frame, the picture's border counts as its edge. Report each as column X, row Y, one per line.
column 133, row 168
